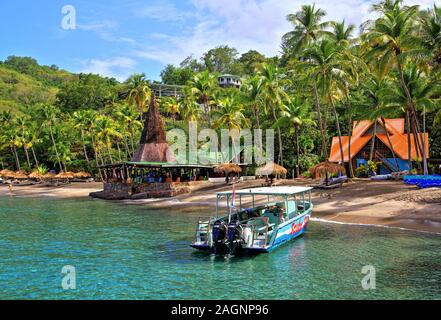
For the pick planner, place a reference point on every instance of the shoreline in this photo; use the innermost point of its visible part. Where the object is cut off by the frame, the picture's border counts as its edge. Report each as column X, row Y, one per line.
column 389, row 204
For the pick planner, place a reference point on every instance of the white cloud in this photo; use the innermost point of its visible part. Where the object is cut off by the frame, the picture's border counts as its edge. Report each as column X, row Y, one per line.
column 244, row 24
column 163, row 11
column 119, row 68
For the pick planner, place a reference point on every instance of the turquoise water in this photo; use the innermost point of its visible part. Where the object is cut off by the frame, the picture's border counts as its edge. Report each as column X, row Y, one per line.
column 125, row 251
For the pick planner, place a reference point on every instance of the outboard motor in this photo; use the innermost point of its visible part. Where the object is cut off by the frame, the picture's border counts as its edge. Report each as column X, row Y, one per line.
column 234, row 237
column 219, row 233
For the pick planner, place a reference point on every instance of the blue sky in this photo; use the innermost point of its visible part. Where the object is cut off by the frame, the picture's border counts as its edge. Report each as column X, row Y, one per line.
column 117, row 38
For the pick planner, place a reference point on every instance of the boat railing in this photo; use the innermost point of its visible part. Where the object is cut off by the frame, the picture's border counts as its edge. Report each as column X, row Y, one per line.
column 203, row 229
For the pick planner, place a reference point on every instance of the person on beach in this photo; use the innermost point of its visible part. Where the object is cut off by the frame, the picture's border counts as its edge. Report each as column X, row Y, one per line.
column 10, row 189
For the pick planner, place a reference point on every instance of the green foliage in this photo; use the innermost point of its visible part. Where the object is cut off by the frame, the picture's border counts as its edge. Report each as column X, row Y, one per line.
column 87, row 91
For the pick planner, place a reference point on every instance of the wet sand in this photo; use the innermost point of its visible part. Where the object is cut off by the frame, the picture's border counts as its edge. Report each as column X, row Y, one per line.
column 385, row 203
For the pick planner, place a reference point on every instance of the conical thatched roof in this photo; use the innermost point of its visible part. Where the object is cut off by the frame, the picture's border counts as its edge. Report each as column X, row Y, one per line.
column 326, row 167
column 7, row 173
column 82, row 175
column 20, row 175
column 153, row 146
column 36, row 175
column 49, row 176
column 65, row 175
column 153, row 128
column 271, row 169
column 228, row 168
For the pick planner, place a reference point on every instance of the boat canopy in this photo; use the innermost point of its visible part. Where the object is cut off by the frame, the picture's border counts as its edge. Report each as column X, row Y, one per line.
column 270, row 191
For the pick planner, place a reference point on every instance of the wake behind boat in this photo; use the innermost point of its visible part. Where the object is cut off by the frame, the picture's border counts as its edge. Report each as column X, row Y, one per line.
column 259, row 228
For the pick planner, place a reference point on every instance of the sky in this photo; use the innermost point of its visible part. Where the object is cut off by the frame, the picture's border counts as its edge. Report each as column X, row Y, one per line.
column 119, row 37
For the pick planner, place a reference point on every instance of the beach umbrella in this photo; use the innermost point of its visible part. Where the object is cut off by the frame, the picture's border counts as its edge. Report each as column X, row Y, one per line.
column 271, row 169
column 326, row 168
column 36, row 175
column 20, row 175
column 65, row 175
column 7, row 173
column 82, row 175
column 228, row 168
column 49, row 176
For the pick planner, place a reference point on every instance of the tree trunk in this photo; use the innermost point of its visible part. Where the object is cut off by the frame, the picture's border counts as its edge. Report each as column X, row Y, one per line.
column 319, row 119
column 351, row 169
column 409, row 147
column 119, row 152
column 126, row 147
column 390, row 143
column 55, row 148
column 298, row 152
column 110, row 154
column 371, row 153
column 17, row 160
column 256, row 114
column 84, row 147
column 96, row 158
column 337, row 123
column 28, row 160
column 280, row 136
column 35, row 157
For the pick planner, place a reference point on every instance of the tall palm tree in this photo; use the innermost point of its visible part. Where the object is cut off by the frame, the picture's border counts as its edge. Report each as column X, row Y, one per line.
column 273, row 95
column 106, row 133
column 10, row 136
column 202, row 87
column 295, row 114
column 49, row 115
column 328, row 72
column 139, row 93
column 431, row 33
column 308, row 28
column 80, row 122
column 252, row 87
column 393, row 38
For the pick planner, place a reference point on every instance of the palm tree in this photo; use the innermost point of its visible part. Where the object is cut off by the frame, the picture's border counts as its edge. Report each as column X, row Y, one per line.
column 392, row 38
column 190, row 110
column 252, row 87
column 342, row 33
column 273, row 95
column 202, row 87
column 49, row 115
column 10, row 137
column 80, row 122
column 295, row 114
column 230, row 114
column 21, row 122
column 126, row 117
column 308, row 28
column 328, row 72
column 139, row 93
column 106, row 132
column 431, row 33
column 170, row 106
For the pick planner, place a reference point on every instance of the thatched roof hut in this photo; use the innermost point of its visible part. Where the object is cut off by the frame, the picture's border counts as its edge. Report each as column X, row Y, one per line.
column 228, row 168
column 65, row 175
column 325, row 168
column 36, row 175
column 7, row 173
column 153, row 146
column 20, row 175
column 49, row 176
column 82, row 175
column 271, row 169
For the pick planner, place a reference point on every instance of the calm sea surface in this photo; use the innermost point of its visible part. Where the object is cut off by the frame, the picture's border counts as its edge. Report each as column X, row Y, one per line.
column 122, row 251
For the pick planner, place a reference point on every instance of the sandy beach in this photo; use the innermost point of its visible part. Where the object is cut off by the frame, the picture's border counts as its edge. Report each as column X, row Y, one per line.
column 383, row 203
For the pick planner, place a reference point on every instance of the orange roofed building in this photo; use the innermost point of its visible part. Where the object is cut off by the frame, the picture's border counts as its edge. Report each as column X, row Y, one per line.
column 363, row 137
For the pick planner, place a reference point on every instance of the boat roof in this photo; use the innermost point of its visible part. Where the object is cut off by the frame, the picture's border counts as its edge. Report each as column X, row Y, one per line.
column 284, row 190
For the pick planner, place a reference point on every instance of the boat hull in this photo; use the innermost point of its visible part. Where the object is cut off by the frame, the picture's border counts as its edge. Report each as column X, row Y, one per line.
column 285, row 233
